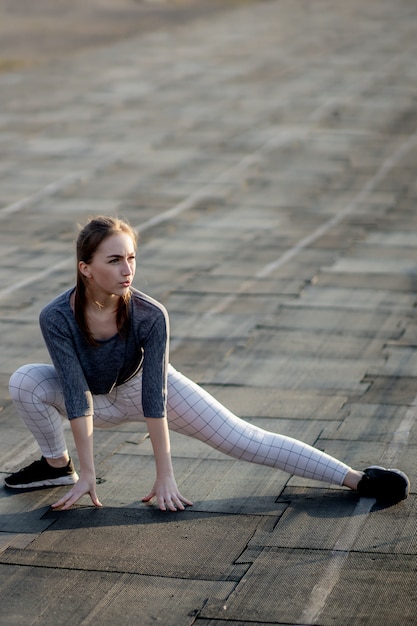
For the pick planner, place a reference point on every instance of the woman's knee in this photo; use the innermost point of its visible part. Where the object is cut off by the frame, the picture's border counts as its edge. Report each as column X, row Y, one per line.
column 28, row 377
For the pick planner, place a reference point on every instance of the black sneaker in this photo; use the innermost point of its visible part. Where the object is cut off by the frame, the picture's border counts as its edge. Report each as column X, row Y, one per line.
column 41, row 474
column 387, row 486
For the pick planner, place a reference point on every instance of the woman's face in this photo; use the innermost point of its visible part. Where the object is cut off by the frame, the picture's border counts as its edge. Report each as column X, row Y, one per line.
column 112, row 268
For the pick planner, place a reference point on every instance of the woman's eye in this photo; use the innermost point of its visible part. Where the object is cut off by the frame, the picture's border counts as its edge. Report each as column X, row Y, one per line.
column 116, row 260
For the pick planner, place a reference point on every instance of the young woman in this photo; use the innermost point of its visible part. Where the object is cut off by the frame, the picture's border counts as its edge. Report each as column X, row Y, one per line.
column 109, row 347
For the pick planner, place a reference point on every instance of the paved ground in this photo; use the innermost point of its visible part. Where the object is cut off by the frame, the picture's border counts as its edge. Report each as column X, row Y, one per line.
column 32, row 33
column 267, row 151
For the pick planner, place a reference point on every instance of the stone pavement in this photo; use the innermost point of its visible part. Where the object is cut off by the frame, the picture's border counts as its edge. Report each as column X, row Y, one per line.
column 267, row 152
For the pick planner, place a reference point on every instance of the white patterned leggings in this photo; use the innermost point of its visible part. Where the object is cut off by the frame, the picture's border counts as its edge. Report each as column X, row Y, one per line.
column 38, row 398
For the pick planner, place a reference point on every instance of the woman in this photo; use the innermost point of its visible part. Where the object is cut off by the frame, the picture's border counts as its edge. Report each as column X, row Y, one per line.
column 109, row 346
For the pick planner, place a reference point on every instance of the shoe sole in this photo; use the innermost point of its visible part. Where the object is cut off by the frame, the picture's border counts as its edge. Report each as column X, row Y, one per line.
column 50, row 482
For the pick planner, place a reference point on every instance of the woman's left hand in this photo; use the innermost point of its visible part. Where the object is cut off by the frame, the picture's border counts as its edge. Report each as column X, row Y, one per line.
column 166, row 492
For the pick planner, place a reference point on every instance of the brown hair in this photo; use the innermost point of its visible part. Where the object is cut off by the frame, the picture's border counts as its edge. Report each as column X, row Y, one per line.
column 90, row 237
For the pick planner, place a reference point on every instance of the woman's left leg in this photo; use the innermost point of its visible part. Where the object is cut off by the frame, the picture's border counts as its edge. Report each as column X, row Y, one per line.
column 194, row 412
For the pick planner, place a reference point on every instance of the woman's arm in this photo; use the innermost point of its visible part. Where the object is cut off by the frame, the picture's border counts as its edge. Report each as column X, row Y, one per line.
column 82, row 430
column 165, row 487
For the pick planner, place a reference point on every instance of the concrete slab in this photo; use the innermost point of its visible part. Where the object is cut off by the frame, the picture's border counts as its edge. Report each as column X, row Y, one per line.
column 357, row 324
column 393, row 282
column 374, row 251
column 200, row 358
column 282, row 586
column 242, row 304
column 390, row 390
column 370, row 422
column 314, row 518
column 195, row 326
column 410, row 334
column 118, row 540
column 86, row 596
column 371, row 266
column 294, row 373
column 23, row 512
column 401, row 361
column 225, row 285
column 321, row 343
column 318, row 518
column 15, row 540
column 247, row 401
column 362, row 299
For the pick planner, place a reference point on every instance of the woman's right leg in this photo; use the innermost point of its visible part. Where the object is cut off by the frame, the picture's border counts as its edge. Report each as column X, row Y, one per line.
column 38, row 398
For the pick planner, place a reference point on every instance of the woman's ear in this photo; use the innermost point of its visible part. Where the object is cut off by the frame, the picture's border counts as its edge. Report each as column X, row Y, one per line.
column 84, row 269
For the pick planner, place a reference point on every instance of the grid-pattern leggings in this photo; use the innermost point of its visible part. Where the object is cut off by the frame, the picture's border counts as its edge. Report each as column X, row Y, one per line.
column 38, row 398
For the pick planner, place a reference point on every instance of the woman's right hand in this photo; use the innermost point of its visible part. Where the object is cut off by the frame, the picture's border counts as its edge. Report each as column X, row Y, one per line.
column 82, row 487
column 82, row 429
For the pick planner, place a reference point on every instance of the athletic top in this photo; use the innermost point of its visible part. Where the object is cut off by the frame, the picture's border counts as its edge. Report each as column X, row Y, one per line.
column 84, row 370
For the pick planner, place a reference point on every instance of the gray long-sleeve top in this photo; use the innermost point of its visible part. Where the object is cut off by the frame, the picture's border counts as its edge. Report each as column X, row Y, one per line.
column 86, row 370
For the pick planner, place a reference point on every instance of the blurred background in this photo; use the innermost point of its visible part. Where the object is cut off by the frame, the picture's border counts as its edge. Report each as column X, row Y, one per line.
column 32, row 31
